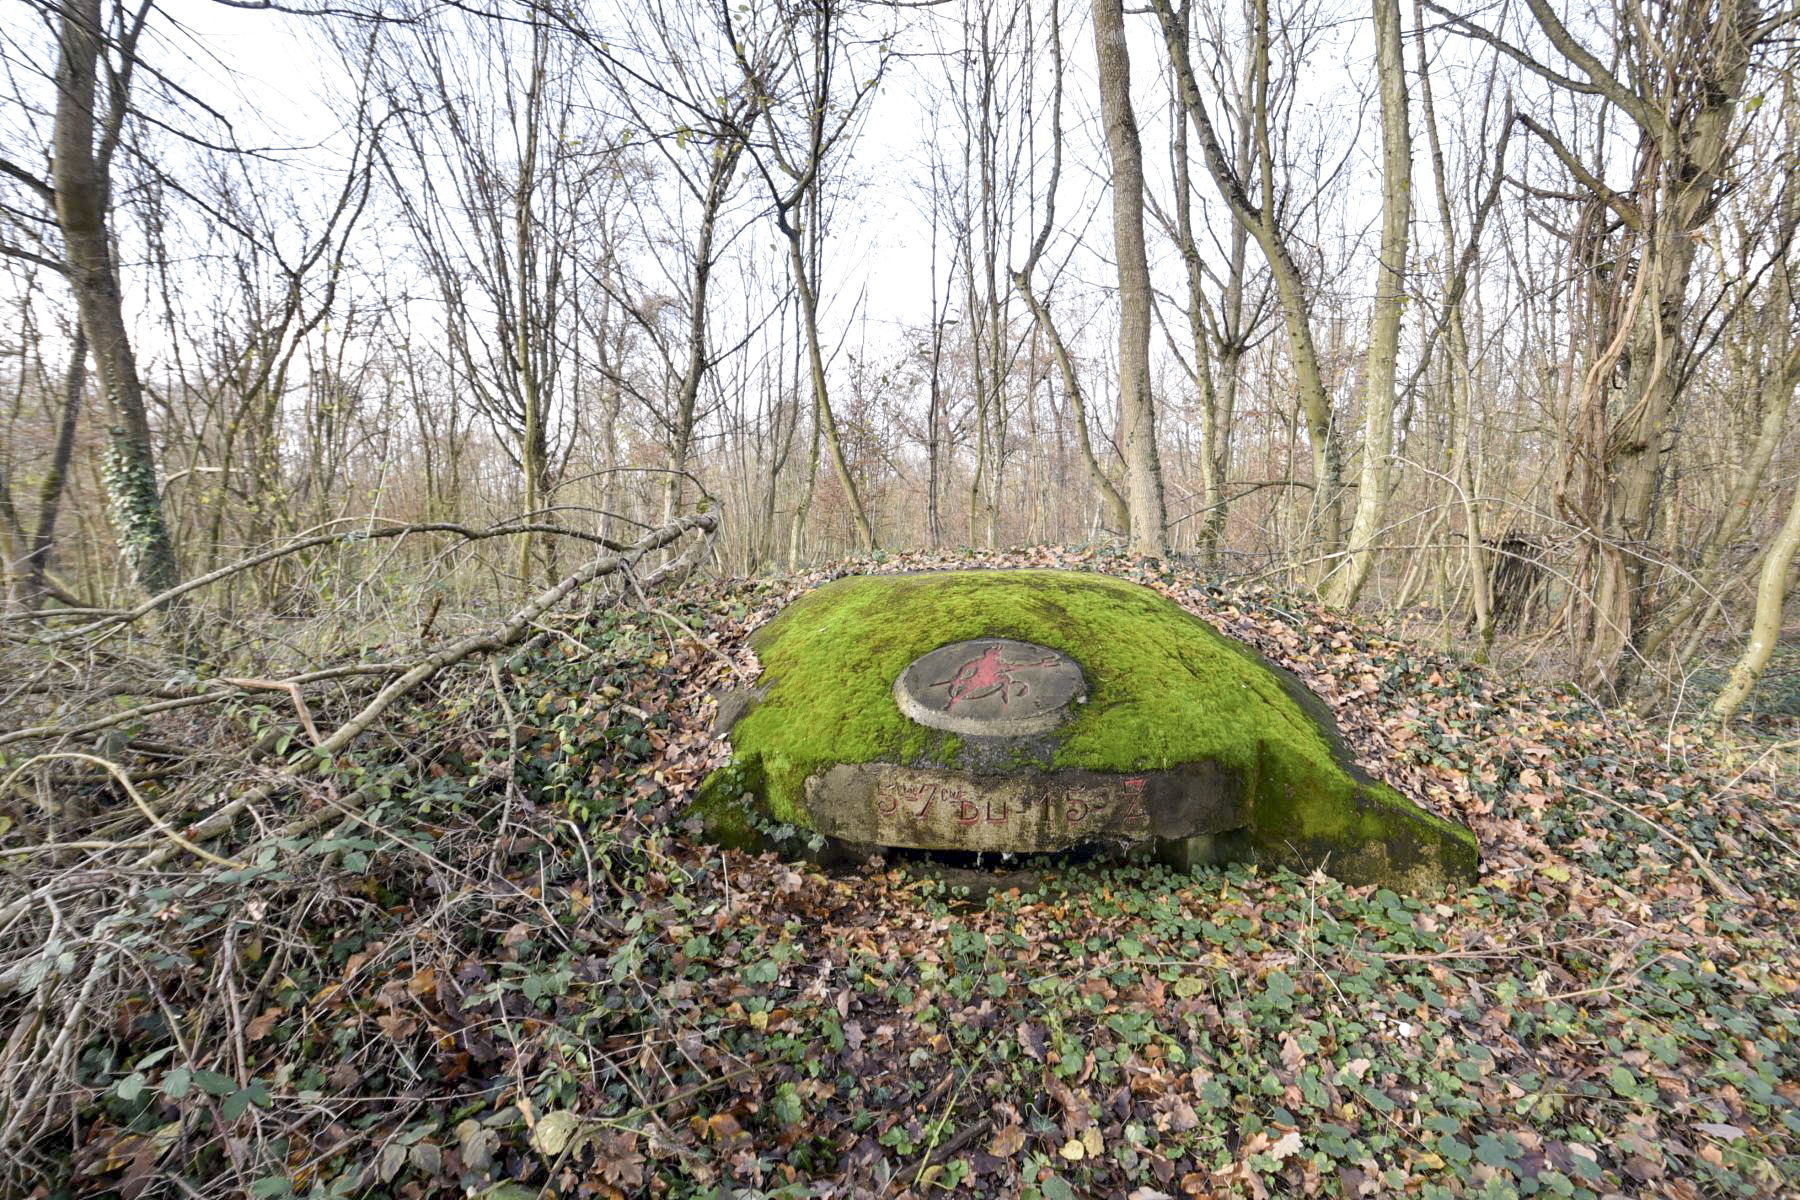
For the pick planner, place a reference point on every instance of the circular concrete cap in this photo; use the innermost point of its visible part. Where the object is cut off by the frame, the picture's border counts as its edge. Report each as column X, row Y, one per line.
column 990, row 687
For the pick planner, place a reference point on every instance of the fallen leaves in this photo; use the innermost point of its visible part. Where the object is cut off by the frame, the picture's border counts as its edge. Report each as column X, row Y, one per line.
column 698, row 1019
column 1007, row 1142
column 553, row 1132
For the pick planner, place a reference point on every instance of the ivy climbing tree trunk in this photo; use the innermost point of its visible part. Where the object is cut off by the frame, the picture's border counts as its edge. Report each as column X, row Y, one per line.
column 1676, row 72
column 81, row 177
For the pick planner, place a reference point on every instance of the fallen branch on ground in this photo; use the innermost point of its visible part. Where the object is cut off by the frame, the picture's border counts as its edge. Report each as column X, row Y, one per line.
column 353, row 535
column 522, row 625
column 509, row 632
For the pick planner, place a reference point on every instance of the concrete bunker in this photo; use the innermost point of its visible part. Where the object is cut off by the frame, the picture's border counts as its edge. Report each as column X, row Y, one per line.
column 1031, row 711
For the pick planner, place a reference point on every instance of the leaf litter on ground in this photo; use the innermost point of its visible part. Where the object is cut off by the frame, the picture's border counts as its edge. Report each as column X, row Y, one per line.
column 539, row 983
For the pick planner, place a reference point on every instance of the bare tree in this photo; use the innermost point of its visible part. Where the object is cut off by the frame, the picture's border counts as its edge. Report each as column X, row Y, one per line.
column 1260, row 212
column 1109, row 494
column 30, row 557
column 1766, row 349
column 791, row 67
column 1137, row 409
column 89, row 125
column 1676, row 80
column 682, row 96
column 1382, row 364
column 497, row 182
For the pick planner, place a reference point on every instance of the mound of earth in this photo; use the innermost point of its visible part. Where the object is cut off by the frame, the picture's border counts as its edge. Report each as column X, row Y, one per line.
column 1033, row 710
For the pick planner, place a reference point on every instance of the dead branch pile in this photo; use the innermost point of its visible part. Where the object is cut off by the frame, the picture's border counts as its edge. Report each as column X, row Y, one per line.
column 166, row 822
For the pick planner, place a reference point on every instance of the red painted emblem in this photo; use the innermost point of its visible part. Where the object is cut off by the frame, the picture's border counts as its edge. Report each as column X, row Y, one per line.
column 990, row 675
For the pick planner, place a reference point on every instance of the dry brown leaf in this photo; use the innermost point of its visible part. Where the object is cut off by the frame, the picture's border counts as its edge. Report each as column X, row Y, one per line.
column 1007, row 1142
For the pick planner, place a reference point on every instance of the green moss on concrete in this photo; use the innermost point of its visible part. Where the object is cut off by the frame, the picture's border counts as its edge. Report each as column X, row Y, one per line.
column 1357, row 829
column 728, row 803
column 1164, row 689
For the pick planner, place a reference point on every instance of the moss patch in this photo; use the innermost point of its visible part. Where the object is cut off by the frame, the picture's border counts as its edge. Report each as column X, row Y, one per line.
column 1164, row 689
column 729, row 802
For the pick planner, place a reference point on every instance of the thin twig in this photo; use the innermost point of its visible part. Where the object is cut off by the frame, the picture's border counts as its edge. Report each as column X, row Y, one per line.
column 118, row 773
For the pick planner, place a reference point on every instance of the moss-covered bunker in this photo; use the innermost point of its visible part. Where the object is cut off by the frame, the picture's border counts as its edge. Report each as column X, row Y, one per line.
column 1167, row 695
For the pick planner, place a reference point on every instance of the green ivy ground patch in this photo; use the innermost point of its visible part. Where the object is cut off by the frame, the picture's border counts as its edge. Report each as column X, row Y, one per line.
column 520, row 976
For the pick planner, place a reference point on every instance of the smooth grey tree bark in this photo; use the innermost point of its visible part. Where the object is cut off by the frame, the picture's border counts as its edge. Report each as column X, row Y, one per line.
column 1765, row 626
column 1116, row 508
column 1380, row 368
column 1261, row 217
column 1137, row 410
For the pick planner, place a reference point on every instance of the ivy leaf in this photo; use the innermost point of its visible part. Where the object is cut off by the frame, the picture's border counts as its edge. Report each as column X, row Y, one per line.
column 215, row 1084
column 554, row 1131
column 788, row 1108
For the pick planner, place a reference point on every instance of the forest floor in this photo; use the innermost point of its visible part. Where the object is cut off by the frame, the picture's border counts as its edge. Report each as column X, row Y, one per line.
column 519, row 975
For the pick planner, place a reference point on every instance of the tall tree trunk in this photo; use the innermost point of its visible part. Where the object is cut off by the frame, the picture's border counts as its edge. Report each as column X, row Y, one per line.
column 34, row 586
column 827, row 423
column 1390, row 300
column 1624, row 456
column 979, row 379
column 533, row 449
column 718, row 187
column 797, row 527
column 1114, row 503
column 1212, row 458
column 81, row 173
column 1684, row 72
column 934, row 525
column 1458, row 380
column 1780, row 356
column 1231, row 360
column 1765, row 626
column 1137, row 412
column 934, row 417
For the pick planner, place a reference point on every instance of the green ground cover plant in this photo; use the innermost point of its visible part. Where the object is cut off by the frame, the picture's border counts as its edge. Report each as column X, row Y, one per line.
column 519, row 974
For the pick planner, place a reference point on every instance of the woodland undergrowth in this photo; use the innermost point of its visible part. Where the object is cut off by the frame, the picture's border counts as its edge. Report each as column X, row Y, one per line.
column 476, row 949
